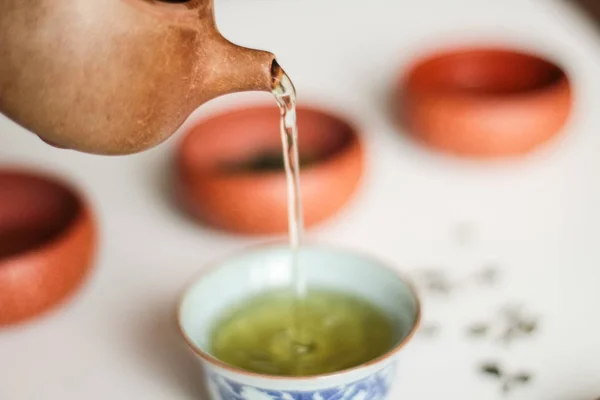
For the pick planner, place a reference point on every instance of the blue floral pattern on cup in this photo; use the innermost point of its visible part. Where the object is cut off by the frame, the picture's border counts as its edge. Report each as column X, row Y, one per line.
column 373, row 387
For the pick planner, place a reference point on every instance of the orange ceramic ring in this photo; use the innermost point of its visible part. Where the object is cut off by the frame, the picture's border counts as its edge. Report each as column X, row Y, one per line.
column 483, row 102
column 47, row 241
column 220, row 182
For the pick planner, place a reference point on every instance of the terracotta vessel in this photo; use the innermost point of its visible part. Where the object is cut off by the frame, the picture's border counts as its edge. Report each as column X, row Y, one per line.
column 117, row 76
column 229, row 169
column 47, row 242
column 483, row 102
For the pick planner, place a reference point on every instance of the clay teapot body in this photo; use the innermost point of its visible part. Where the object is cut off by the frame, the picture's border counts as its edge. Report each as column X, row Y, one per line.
column 117, row 76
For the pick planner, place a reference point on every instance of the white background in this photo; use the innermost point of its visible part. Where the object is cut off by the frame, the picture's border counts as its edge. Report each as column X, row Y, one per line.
column 537, row 217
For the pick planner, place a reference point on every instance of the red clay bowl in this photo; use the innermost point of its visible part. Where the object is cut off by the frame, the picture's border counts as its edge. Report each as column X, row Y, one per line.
column 483, row 102
column 47, row 241
column 229, row 169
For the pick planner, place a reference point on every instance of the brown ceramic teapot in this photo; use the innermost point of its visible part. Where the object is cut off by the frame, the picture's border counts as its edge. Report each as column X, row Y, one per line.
column 117, row 76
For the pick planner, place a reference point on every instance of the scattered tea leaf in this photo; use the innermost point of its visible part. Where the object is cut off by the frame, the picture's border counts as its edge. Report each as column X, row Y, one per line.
column 507, row 382
column 515, row 324
column 479, row 330
column 522, row 377
column 492, row 369
column 488, row 275
column 506, row 387
column 435, row 282
column 507, row 335
column 439, row 287
column 528, row 327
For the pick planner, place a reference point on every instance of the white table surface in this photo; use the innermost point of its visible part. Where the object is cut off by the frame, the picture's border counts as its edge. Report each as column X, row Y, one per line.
column 538, row 218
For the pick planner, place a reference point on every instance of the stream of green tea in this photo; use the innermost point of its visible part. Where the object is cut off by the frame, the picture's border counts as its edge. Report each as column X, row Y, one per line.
column 285, row 94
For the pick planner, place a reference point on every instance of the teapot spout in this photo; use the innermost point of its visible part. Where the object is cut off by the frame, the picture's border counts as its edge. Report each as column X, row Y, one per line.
column 241, row 69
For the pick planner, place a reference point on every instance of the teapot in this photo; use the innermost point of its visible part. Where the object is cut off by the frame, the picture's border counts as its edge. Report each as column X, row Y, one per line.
column 118, row 76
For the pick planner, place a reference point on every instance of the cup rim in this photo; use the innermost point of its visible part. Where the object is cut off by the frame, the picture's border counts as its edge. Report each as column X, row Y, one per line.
column 215, row 264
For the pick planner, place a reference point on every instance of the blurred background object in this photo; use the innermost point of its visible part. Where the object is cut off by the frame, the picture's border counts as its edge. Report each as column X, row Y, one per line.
column 590, row 7
column 229, row 168
column 484, row 101
column 47, row 243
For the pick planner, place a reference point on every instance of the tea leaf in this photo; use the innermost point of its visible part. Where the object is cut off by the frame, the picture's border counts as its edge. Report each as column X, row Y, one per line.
column 522, row 377
column 509, row 334
column 439, row 287
column 506, row 387
column 479, row 330
column 489, row 275
column 492, row 369
column 527, row 327
column 435, row 281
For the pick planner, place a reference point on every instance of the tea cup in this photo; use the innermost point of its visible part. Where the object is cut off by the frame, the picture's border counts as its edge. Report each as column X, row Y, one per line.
column 249, row 273
column 48, row 243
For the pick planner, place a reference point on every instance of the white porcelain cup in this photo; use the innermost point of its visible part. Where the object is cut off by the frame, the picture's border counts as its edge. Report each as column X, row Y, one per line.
column 261, row 269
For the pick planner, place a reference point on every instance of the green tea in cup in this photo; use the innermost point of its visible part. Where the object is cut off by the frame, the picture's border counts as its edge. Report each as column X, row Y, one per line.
column 328, row 331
